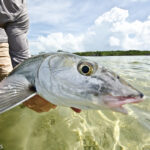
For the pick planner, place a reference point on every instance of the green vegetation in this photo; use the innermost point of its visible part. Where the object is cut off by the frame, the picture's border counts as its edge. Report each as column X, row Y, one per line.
column 113, row 53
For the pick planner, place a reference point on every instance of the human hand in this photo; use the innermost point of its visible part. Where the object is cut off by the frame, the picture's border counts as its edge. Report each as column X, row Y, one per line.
column 39, row 104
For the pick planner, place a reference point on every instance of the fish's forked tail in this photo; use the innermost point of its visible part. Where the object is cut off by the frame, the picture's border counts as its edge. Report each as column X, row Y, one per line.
column 14, row 90
column 142, row 116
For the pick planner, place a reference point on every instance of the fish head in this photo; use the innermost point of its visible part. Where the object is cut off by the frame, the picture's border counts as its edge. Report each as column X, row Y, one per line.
column 84, row 84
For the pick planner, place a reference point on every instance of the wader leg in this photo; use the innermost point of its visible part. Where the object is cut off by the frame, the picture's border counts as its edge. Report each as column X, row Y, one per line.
column 5, row 61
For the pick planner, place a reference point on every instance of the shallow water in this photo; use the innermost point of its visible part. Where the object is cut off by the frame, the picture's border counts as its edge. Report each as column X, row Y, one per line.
column 63, row 129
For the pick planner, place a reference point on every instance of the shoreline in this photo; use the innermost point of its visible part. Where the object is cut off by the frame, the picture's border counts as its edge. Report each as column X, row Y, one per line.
column 115, row 53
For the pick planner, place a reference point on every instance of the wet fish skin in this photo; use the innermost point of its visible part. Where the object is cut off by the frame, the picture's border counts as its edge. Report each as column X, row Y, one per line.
column 59, row 78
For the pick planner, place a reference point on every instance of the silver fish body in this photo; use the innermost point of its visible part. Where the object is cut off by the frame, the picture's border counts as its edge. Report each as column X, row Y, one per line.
column 66, row 79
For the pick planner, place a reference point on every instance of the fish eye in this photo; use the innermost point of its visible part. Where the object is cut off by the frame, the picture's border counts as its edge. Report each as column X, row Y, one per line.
column 85, row 68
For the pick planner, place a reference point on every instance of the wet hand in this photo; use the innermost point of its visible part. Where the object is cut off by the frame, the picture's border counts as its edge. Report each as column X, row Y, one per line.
column 39, row 104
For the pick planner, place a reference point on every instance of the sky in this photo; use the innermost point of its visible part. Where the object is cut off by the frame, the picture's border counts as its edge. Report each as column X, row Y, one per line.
column 88, row 25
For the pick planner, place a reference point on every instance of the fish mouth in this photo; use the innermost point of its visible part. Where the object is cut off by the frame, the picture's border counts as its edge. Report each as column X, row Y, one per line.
column 116, row 102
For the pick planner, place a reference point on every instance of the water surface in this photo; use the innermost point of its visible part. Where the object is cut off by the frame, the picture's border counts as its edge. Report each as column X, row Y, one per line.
column 63, row 129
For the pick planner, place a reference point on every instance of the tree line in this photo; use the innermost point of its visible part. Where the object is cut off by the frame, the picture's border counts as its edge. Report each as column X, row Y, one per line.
column 113, row 53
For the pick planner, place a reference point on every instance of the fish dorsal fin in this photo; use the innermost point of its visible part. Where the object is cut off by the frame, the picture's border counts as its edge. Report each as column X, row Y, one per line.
column 14, row 90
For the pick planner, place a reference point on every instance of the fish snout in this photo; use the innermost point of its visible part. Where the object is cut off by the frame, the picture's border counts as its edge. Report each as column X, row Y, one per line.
column 141, row 95
column 136, row 93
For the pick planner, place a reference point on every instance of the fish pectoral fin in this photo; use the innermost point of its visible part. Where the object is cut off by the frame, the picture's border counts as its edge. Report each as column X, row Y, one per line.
column 14, row 90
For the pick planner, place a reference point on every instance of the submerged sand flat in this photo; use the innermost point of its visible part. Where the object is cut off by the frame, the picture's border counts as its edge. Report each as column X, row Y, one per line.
column 63, row 129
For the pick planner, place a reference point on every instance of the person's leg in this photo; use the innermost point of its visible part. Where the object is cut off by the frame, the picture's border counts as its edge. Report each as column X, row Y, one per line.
column 5, row 61
column 17, row 39
column 18, row 46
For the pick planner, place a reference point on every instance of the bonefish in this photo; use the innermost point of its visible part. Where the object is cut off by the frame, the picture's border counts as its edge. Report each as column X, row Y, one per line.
column 69, row 80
